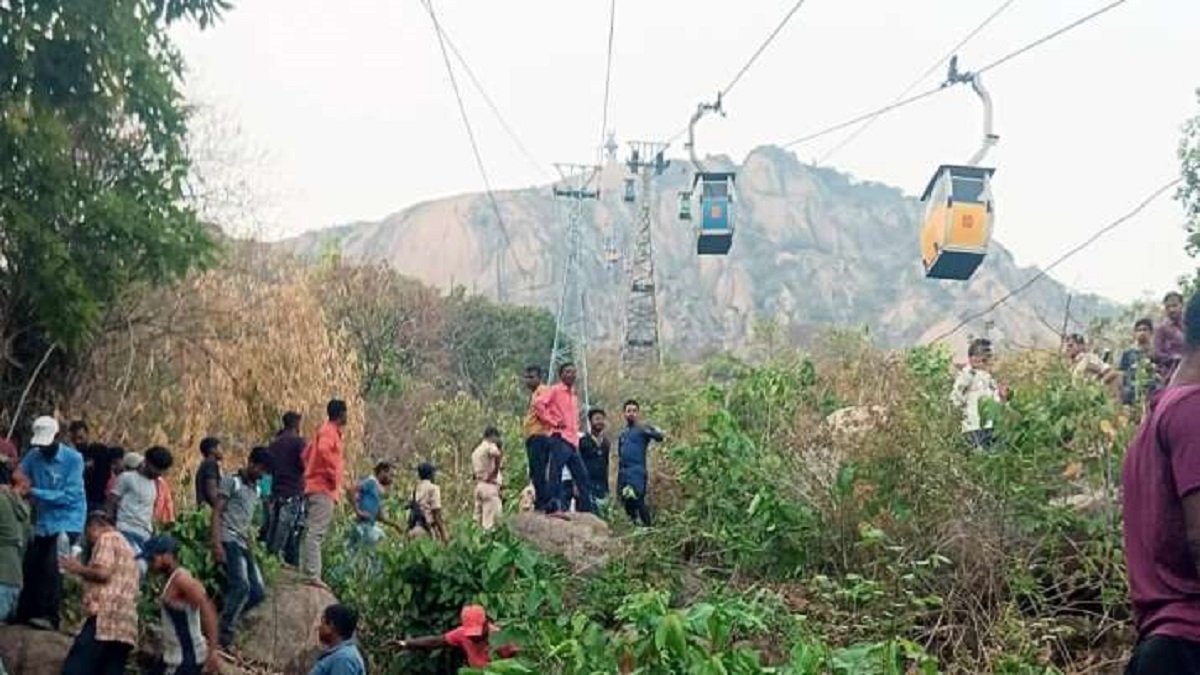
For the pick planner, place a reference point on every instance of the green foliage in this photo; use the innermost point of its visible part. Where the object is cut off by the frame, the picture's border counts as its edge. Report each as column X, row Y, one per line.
column 491, row 344
column 737, row 512
column 426, row 585
column 1189, row 191
column 92, row 165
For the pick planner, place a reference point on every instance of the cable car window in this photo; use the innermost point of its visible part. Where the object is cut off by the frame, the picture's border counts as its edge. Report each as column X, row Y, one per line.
column 968, row 189
column 716, row 189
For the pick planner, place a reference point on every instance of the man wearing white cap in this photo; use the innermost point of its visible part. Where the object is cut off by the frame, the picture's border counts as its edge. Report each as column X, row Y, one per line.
column 55, row 471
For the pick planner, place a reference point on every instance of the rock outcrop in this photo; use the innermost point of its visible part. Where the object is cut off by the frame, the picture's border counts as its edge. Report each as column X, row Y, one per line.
column 28, row 651
column 281, row 633
column 584, row 540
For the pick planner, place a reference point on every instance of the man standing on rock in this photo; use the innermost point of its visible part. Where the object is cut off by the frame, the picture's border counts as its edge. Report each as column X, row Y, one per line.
column 189, row 619
column 1161, row 481
column 287, row 490
column 110, row 595
column 632, row 466
column 595, row 449
column 55, row 471
column 485, row 463
column 232, row 530
column 537, row 436
column 561, row 408
column 324, row 466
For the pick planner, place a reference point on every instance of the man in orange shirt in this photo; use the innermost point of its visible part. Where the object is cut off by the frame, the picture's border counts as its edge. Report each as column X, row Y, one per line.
column 537, row 436
column 324, row 467
column 561, row 409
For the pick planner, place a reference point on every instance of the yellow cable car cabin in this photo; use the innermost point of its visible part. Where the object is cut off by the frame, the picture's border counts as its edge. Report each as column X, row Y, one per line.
column 959, row 215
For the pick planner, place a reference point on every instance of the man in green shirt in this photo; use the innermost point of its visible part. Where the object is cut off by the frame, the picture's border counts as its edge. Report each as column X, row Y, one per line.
column 14, row 532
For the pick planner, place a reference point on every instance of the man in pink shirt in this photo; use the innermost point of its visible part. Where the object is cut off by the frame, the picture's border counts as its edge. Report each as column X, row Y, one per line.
column 1161, row 503
column 561, row 409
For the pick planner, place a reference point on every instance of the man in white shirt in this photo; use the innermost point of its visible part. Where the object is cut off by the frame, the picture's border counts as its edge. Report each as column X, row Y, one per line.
column 973, row 386
column 131, row 501
column 1087, row 365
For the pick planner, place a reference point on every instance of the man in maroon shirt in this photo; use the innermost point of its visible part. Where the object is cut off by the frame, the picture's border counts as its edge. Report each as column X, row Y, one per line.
column 1168, row 336
column 1161, row 482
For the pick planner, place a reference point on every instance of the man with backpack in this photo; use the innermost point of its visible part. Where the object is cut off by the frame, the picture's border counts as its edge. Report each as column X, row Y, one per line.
column 425, row 507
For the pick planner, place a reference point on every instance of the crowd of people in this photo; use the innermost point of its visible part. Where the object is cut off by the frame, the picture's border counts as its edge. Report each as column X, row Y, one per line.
column 71, row 506
column 1143, row 368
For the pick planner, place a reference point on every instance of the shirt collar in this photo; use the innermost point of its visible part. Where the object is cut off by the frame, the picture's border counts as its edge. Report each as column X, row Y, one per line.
column 344, row 644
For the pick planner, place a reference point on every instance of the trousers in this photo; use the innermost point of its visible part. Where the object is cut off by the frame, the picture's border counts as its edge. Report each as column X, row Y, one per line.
column 41, row 596
column 1162, row 655
column 487, row 505
column 89, row 656
column 287, row 523
column 563, row 454
column 318, row 515
column 243, row 588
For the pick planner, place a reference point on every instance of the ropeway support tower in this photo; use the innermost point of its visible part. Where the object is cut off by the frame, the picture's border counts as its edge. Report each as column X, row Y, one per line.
column 640, row 347
column 578, row 184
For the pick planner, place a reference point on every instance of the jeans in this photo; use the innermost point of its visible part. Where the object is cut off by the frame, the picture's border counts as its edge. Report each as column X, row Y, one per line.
column 1161, row 655
column 563, row 454
column 89, row 656
column 637, row 510
column 981, row 439
column 287, row 523
column 42, row 594
column 537, row 449
column 8, row 601
column 138, row 542
column 365, row 535
column 243, row 588
column 319, row 514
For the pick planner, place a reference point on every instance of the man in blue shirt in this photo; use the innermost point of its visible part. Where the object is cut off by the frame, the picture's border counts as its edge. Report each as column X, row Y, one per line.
column 336, row 633
column 55, row 470
column 632, row 474
column 368, row 507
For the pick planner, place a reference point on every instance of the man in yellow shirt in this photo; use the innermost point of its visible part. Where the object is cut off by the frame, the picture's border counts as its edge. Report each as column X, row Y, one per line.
column 537, row 436
column 485, row 463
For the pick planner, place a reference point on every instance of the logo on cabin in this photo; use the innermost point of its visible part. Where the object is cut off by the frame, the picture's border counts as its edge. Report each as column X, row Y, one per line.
column 968, row 221
column 716, row 211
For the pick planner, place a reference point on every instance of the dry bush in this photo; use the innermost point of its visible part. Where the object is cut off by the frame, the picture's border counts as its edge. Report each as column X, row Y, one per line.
column 223, row 353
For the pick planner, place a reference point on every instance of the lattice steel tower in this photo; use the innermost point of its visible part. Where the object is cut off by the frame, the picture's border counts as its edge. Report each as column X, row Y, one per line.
column 570, row 326
column 640, row 348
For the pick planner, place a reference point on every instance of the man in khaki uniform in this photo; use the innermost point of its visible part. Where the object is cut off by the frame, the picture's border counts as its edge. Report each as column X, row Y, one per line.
column 485, row 463
column 425, row 510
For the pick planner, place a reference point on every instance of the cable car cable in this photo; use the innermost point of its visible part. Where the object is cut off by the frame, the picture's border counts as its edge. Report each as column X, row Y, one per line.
column 487, row 184
column 934, row 67
column 926, row 94
column 540, row 167
column 612, row 25
column 1042, row 273
column 761, row 48
column 754, row 57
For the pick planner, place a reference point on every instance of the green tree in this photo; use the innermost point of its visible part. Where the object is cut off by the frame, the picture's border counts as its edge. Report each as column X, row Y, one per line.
column 490, row 344
column 1189, row 192
column 92, row 166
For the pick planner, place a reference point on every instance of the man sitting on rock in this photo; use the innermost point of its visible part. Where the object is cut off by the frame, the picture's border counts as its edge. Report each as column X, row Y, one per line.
column 473, row 637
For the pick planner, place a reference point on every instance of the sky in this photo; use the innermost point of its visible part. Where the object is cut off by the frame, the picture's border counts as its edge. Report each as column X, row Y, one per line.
column 348, row 113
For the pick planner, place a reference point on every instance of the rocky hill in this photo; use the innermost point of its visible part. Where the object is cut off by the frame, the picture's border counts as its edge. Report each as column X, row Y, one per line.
column 813, row 248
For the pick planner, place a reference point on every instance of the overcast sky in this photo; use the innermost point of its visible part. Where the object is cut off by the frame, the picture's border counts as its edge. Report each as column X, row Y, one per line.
column 349, row 103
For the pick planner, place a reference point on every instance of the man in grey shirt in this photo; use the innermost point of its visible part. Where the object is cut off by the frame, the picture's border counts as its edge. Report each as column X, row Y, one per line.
column 232, row 530
column 131, row 500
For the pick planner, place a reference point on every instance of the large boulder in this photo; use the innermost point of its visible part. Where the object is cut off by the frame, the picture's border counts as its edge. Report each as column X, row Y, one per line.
column 583, row 539
column 28, row 651
column 281, row 633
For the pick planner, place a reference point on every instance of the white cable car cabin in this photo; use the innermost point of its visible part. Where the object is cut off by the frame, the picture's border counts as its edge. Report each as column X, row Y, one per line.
column 958, row 221
column 715, row 233
column 630, row 191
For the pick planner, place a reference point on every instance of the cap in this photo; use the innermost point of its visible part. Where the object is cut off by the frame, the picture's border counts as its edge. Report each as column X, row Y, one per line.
column 160, row 545
column 132, row 461
column 474, row 620
column 45, row 429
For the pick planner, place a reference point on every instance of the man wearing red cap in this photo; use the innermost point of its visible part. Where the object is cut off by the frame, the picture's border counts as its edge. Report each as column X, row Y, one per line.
column 472, row 637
